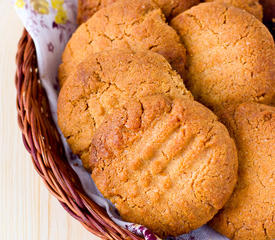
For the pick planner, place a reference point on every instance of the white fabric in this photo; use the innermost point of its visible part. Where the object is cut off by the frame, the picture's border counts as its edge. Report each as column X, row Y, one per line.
column 50, row 24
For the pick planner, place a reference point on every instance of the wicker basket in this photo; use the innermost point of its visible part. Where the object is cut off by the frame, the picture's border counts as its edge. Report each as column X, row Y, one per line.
column 43, row 142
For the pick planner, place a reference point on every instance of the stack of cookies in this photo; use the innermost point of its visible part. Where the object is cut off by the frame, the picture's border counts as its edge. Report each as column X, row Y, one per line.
column 162, row 100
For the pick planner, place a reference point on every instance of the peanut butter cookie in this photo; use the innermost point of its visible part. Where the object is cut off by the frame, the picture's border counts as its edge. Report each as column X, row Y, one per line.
column 87, row 8
column 166, row 163
column 135, row 25
column 230, row 55
column 250, row 212
column 106, row 81
column 251, row 6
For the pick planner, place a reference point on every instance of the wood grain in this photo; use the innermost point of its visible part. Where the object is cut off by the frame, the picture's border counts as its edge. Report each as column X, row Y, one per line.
column 27, row 210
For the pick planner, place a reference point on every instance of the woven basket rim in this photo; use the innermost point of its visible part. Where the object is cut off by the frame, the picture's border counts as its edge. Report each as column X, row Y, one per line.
column 39, row 133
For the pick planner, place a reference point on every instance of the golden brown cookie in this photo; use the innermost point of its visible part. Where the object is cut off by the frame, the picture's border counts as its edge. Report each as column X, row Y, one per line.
column 172, row 170
column 172, row 8
column 87, row 8
column 230, row 55
column 106, row 81
column 251, row 6
column 250, row 212
column 135, row 25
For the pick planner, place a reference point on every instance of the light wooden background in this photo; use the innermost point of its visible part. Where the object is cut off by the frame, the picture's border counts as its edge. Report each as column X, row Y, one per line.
column 27, row 210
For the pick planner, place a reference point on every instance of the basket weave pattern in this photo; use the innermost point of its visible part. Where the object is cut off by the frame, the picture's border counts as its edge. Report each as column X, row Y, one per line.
column 43, row 142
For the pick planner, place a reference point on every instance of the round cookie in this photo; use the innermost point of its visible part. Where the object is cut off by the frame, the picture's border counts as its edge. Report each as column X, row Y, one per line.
column 87, row 8
column 230, row 56
column 173, row 8
column 134, row 25
column 106, row 81
column 251, row 6
column 172, row 172
column 249, row 214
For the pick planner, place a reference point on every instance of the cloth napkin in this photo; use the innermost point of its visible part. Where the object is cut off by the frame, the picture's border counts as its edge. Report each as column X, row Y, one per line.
column 50, row 24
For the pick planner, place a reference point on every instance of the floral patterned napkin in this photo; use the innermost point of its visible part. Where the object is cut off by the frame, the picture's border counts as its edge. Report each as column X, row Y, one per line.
column 50, row 24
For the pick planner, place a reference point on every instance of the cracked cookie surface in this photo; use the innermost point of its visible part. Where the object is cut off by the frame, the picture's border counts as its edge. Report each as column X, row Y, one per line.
column 251, row 6
column 166, row 163
column 134, row 25
column 106, row 81
column 249, row 213
column 87, row 8
column 230, row 56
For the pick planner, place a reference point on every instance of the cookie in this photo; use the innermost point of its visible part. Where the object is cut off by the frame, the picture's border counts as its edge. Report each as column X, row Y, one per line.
column 249, row 213
column 172, row 171
column 106, row 81
column 251, row 6
column 175, row 7
column 134, row 25
column 230, row 56
column 87, row 8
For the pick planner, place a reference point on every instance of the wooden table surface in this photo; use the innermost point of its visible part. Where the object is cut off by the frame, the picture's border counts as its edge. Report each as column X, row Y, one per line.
column 27, row 210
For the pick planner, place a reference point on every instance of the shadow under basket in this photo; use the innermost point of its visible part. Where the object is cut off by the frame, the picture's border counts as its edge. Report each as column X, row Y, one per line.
column 43, row 142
